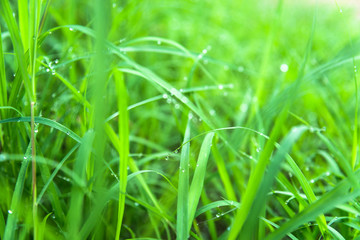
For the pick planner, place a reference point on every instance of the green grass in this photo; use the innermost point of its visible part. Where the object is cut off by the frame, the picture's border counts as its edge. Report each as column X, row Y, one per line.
column 179, row 119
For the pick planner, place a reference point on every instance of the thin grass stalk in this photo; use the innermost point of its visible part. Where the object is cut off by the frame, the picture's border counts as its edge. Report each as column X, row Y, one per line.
column 183, row 189
column 3, row 88
column 33, row 157
column 355, row 132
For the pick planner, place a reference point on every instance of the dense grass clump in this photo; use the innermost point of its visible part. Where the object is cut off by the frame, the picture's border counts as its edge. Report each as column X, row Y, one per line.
column 179, row 119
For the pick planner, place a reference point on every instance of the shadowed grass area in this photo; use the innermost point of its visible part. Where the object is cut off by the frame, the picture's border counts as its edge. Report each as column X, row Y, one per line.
column 179, row 119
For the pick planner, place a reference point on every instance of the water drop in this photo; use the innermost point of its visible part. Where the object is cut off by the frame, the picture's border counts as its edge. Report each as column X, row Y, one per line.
column 185, row 78
column 258, row 149
column 327, row 174
column 243, row 107
column 167, row 158
column 36, row 130
column 176, row 151
column 251, row 157
column 312, row 180
column 53, row 216
column 221, row 87
column 218, row 215
column 136, row 204
column 340, row 11
column 56, row 61
column 355, row 70
column 204, row 51
column 284, row 67
column 53, row 73
column 114, row 5
column 71, row 29
column 172, row 91
column 232, row 202
column 159, row 42
column 184, row 99
column 25, row 157
column 177, row 106
column 183, row 170
column 165, row 96
column 169, row 100
column 240, row 68
column 13, row 14
column 190, row 116
column 212, row 112
column 307, row 169
column 10, row 212
column 47, row 70
column 67, row 133
column 50, row 33
column 197, row 165
column 228, row 228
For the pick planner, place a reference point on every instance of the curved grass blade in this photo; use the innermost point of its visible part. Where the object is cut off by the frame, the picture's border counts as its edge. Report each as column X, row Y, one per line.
column 133, row 175
column 217, row 204
column 47, row 122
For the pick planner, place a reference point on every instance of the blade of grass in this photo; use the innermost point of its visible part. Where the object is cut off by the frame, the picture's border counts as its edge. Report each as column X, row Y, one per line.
column 56, row 170
column 3, row 89
column 23, row 13
column 42, row 227
column 182, row 231
column 74, row 217
column 2, row 225
column 124, row 145
column 7, row 14
column 133, row 167
column 225, row 178
column 11, row 222
column 268, row 180
column 197, row 182
column 3, row 84
column 255, row 179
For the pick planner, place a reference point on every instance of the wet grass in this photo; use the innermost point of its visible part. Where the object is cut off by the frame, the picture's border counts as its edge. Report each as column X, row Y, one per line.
column 179, row 119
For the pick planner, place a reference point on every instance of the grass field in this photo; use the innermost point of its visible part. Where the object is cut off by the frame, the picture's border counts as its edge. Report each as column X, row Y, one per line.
column 194, row 119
